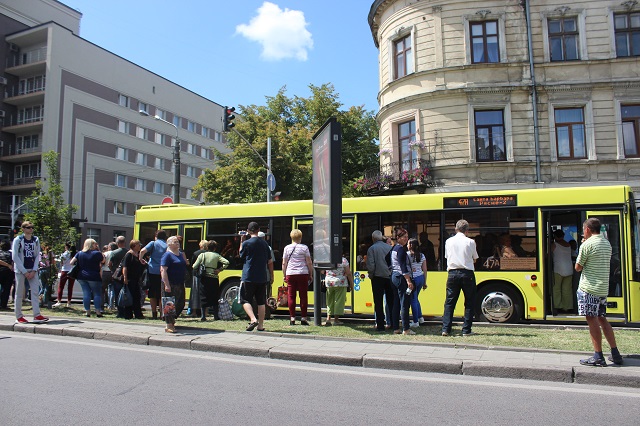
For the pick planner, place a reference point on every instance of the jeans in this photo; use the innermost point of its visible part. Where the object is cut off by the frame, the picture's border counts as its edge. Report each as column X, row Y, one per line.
column 416, row 309
column 381, row 287
column 89, row 289
column 22, row 285
column 465, row 280
column 401, row 303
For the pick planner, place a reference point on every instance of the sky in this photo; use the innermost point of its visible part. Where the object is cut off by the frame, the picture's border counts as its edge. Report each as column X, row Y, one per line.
column 238, row 52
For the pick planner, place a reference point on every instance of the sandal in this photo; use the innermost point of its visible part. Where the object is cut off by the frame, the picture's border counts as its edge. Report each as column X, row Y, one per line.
column 170, row 330
column 252, row 325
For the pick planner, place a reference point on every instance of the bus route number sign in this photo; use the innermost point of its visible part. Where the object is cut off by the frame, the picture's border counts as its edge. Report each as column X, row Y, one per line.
column 488, row 201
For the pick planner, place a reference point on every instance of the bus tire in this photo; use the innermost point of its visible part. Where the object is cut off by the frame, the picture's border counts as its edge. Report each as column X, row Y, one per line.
column 499, row 303
column 229, row 291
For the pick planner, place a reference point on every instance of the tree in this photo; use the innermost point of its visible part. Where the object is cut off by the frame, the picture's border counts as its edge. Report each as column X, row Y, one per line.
column 240, row 177
column 47, row 209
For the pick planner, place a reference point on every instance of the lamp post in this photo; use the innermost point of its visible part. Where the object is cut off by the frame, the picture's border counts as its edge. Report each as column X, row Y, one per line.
column 176, row 158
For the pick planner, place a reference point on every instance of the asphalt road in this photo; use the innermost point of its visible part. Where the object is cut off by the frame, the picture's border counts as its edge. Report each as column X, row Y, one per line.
column 68, row 381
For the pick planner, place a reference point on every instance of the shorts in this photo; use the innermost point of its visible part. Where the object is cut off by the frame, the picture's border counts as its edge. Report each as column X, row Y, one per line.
column 154, row 281
column 590, row 305
column 250, row 290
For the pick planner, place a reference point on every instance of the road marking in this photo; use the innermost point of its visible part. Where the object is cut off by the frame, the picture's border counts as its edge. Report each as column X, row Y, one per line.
column 392, row 374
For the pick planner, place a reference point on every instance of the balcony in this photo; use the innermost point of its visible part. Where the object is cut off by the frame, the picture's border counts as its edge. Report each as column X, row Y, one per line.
column 396, row 177
column 18, row 184
column 19, row 154
column 15, row 96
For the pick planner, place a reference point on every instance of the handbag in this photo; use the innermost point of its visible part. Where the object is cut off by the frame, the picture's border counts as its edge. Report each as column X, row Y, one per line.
column 236, row 308
column 283, row 296
column 200, row 271
column 125, row 300
column 224, row 310
column 117, row 274
column 168, row 306
column 74, row 271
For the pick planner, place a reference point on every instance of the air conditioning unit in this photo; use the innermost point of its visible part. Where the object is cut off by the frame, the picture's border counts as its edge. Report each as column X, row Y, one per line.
column 1, row 113
column 3, row 80
column 14, row 47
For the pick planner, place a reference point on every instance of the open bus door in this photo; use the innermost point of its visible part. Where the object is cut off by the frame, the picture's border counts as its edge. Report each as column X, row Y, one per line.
column 611, row 229
column 306, row 226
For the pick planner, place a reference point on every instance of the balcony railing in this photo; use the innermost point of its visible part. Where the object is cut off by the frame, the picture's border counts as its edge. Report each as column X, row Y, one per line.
column 397, row 175
column 14, row 181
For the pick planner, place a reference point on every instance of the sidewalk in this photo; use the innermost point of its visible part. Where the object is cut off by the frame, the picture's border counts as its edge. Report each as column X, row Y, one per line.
column 451, row 358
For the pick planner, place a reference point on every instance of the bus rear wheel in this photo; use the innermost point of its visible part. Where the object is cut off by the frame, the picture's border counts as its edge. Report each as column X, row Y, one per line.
column 499, row 303
column 229, row 291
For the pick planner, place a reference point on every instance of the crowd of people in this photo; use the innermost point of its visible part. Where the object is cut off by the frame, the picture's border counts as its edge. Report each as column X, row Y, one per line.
column 398, row 272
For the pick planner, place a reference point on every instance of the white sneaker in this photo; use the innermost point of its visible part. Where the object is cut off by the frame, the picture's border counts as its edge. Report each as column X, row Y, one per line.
column 414, row 324
column 421, row 320
column 57, row 305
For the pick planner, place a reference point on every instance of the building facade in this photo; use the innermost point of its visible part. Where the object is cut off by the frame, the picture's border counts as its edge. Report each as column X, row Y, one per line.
column 59, row 92
column 481, row 94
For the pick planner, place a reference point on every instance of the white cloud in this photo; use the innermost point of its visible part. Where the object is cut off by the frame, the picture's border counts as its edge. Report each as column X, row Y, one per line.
column 282, row 33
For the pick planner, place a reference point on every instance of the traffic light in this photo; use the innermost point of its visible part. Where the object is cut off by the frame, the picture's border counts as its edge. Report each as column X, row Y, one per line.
column 227, row 118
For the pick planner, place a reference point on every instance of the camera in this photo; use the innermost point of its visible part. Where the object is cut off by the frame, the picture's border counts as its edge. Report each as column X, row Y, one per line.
column 242, row 233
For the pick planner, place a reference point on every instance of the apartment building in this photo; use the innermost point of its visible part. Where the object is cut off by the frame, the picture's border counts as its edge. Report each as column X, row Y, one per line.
column 61, row 92
column 485, row 94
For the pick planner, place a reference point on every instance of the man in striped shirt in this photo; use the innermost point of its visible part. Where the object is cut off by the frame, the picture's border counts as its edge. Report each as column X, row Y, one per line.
column 593, row 261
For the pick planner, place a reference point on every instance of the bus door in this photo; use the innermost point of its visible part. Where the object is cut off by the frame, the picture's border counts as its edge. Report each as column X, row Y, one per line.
column 306, row 226
column 193, row 234
column 570, row 223
column 610, row 227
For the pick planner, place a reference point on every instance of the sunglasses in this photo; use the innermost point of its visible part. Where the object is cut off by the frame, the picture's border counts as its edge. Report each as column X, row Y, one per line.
column 27, row 227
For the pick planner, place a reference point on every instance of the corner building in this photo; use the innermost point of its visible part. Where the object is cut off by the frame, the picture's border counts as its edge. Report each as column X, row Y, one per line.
column 62, row 93
column 492, row 94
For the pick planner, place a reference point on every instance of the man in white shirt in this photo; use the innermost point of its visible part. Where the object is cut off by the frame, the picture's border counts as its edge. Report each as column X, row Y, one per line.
column 461, row 254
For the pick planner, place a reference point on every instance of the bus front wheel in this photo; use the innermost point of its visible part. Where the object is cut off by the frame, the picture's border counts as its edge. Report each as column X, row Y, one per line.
column 499, row 303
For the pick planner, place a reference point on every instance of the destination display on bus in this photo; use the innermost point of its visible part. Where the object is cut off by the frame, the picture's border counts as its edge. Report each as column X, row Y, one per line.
column 480, row 201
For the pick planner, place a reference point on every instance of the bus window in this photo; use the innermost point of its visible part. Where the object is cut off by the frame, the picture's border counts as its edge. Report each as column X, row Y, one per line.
column 505, row 238
column 147, row 232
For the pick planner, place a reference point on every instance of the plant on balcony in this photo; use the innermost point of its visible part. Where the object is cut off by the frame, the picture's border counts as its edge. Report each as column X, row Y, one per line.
column 415, row 175
column 372, row 183
column 385, row 151
column 417, row 145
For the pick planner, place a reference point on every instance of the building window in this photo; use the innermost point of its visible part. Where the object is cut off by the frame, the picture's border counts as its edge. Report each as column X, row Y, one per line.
column 160, row 113
column 191, row 126
column 191, row 171
column 627, row 28
column 570, row 134
column 217, row 136
column 407, row 134
column 93, row 233
column 158, row 188
column 143, row 107
column 176, row 121
column 402, row 57
column 484, row 42
column 204, row 153
column 490, row 139
column 123, row 127
column 122, row 154
column 191, row 148
column 121, row 181
column 123, row 101
column 159, row 138
column 159, row 164
column 141, row 159
column 31, row 114
column 631, row 130
column 26, row 144
column 141, row 132
column 26, row 173
column 141, row 184
column 118, row 207
column 563, row 39
column 31, row 85
column 116, row 234
column 204, row 132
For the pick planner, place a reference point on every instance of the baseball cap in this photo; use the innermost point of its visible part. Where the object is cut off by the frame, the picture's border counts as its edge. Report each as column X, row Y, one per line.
column 261, row 234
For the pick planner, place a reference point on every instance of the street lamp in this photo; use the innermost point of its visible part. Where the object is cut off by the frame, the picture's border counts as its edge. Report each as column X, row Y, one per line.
column 176, row 157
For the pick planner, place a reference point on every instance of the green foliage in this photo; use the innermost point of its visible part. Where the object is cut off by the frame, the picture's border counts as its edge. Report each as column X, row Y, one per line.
column 50, row 214
column 240, row 177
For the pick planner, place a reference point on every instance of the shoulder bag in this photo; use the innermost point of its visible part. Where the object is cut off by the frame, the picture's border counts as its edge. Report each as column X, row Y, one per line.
column 125, row 300
column 75, row 270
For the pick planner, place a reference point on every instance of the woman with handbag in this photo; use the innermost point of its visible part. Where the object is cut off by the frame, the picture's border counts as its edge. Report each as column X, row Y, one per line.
column 208, row 265
column 338, row 281
column 89, row 262
column 131, row 273
column 173, row 267
column 297, row 269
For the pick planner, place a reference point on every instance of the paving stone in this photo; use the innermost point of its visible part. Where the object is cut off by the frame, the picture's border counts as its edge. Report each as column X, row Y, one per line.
column 122, row 337
column 335, row 358
column 607, row 376
column 210, row 345
column 515, row 371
